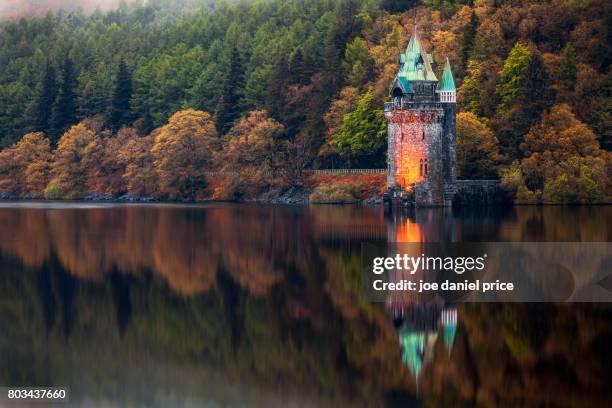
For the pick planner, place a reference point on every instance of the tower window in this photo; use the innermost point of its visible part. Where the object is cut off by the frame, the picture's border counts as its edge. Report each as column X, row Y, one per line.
column 426, row 167
column 423, row 135
column 421, row 167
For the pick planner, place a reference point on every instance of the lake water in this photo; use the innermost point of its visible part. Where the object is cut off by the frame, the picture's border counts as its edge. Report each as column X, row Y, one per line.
column 260, row 305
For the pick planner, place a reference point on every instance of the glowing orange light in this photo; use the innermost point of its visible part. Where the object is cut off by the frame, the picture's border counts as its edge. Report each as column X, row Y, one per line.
column 410, row 150
column 408, row 231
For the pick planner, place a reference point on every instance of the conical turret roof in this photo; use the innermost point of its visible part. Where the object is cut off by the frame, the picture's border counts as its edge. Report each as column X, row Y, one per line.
column 417, row 65
column 447, row 84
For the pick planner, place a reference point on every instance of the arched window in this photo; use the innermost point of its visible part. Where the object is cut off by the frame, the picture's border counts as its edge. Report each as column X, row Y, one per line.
column 426, row 167
column 421, row 167
column 423, row 135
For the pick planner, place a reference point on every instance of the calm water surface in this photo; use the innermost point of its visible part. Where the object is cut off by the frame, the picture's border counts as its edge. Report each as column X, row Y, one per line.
column 234, row 305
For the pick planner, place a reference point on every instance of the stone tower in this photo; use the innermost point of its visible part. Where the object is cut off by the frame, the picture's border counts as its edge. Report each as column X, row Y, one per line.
column 421, row 130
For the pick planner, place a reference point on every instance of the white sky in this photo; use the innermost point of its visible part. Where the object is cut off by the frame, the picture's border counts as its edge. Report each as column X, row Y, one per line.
column 16, row 8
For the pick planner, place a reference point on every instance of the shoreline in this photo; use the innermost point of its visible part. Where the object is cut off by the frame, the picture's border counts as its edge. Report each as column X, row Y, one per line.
column 372, row 202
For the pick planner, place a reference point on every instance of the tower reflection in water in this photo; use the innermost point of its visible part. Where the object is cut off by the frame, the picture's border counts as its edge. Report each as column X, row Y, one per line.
column 420, row 320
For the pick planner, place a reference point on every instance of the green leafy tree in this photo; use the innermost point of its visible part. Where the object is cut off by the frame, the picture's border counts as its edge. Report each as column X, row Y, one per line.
column 477, row 148
column 577, row 181
column 524, row 92
column 469, row 92
column 357, row 64
column 362, row 137
column 512, row 77
column 164, row 84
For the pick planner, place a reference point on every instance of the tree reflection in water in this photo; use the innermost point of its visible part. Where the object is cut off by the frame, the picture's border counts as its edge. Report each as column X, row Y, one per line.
column 227, row 303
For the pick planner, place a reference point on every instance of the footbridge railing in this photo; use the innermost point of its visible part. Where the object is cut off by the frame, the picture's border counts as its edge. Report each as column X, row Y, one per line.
column 349, row 171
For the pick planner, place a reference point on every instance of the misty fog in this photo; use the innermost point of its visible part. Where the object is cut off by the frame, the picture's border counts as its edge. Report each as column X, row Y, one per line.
column 18, row 8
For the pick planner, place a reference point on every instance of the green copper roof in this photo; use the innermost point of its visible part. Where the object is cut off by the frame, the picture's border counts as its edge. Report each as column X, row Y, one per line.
column 405, row 85
column 417, row 348
column 417, row 65
column 447, row 84
column 448, row 331
column 413, row 345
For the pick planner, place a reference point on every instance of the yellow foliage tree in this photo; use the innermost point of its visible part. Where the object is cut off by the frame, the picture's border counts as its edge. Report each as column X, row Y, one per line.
column 76, row 162
column 446, row 45
column 563, row 162
column 183, row 153
column 136, row 159
column 577, row 180
column 477, row 148
column 248, row 159
column 558, row 137
column 24, row 167
column 107, row 179
column 335, row 117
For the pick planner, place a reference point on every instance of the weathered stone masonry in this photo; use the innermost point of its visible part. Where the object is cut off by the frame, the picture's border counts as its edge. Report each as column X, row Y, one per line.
column 421, row 130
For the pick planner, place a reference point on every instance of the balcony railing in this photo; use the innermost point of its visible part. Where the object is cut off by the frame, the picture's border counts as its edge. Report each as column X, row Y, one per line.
column 405, row 104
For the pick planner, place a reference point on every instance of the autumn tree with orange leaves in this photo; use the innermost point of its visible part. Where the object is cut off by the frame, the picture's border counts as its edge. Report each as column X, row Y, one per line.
column 249, row 157
column 136, row 160
column 24, row 167
column 76, row 161
column 563, row 162
column 183, row 152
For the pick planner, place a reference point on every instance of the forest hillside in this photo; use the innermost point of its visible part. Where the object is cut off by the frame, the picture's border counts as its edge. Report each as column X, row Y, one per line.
column 154, row 98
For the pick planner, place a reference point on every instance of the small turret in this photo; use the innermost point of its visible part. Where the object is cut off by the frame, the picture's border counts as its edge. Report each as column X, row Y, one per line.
column 446, row 86
column 449, row 327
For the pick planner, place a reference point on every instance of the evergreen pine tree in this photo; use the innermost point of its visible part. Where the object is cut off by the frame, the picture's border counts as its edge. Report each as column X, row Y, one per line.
column 567, row 66
column 342, row 31
column 43, row 107
column 229, row 107
column 120, row 104
column 276, row 94
column 469, row 35
column 299, row 72
column 527, row 98
column 537, row 95
column 64, row 111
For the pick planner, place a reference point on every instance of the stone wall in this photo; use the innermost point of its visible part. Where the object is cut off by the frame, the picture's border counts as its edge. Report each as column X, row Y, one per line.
column 478, row 192
column 450, row 146
column 415, row 137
